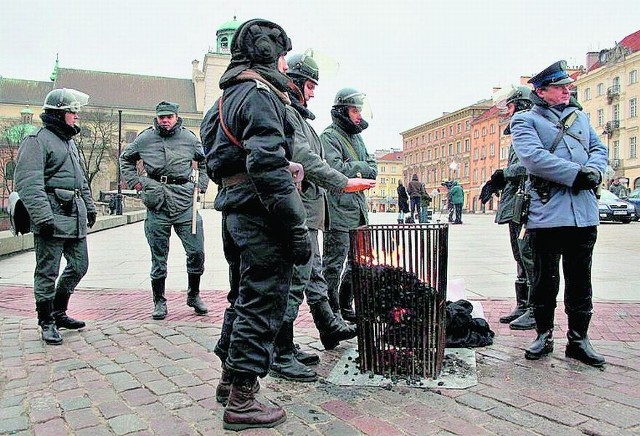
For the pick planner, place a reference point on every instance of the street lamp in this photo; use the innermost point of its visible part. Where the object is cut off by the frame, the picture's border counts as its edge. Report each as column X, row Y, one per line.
column 119, row 194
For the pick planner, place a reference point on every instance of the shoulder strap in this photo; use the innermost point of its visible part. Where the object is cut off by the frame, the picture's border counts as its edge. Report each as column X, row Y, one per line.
column 225, row 129
column 346, row 143
column 564, row 125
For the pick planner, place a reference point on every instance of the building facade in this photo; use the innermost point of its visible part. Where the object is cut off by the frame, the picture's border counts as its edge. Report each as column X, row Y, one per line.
column 609, row 93
column 384, row 197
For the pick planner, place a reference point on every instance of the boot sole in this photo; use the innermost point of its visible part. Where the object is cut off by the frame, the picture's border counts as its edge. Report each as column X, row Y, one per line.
column 239, row 427
column 594, row 364
column 531, row 356
column 277, row 374
column 158, row 318
column 526, row 327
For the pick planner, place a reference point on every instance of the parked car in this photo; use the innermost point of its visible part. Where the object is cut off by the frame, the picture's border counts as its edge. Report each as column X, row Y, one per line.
column 614, row 209
column 634, row 197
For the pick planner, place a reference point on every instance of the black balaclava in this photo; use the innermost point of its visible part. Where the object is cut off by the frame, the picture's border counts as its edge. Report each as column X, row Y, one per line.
column 53, row 119
column 340, row 116
column 257, row 45
column 296, row 93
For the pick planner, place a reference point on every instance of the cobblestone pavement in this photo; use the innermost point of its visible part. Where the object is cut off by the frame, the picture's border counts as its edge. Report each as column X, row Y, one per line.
column 127, row 374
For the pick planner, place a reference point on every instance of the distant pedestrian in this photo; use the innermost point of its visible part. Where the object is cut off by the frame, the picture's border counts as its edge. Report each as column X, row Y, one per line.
column 566, row 161
column 618, row 189
column 403, row 201
column 51, row 182
column 415, row 188
column 456, row 194
column 113, row 201
column 169, row 153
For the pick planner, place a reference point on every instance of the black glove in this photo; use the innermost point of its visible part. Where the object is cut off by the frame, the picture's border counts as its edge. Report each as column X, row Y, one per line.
column 587, row 178
column 46, row 229
column 486, row 192
column 497, row 180
column 300, row 245
column 91, row 218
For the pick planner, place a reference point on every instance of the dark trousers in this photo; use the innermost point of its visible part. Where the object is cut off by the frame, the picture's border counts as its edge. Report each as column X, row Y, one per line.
column 157, row 228
column 260, row 276
column 574, row 246
column 415, row 206
column 336, row 246
column 522, row 253
column 458, row 213
column 49, row 252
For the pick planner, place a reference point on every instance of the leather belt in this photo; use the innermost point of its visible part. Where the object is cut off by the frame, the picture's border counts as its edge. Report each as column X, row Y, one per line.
column 50, row 190
column 236, row 179
column 169, row 180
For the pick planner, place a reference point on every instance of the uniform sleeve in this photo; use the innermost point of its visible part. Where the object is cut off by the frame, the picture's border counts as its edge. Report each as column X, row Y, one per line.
column 128, row 160
column 199, row 157
column 264, row 141
column 29, row 180
column 598, row 154
column 316, row 170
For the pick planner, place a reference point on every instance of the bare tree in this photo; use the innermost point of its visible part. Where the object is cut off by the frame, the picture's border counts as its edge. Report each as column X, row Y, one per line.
column 11, row 134
column 97, row 141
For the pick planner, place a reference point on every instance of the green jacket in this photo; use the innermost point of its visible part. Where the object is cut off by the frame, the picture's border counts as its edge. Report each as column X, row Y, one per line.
column 347, row 154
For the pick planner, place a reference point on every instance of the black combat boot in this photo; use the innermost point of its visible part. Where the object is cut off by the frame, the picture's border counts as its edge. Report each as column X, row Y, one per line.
column 160, row 303
column 60, row 304
column 193, row 295
column 579, row 347
column 224, row 386
column 525, row 322
column 332, row 328
column 346, row 301
column 50, row 334
column 400, row 221
column 244, row 411
column 285, row 365
column 541, row 346
column 522, row 298
column 305, row 358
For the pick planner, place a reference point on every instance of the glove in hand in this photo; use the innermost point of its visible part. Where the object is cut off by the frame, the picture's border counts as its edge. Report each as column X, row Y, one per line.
column 46, row 230
column 300, row 245
column 587, row 178
column 91, row 218
column 358, row 184
column 497, row 180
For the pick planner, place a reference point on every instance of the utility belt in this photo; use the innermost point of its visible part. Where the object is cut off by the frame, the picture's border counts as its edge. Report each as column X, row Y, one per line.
column 542, row 187
column 51, row 190
column 236, row 179
column 169, row 180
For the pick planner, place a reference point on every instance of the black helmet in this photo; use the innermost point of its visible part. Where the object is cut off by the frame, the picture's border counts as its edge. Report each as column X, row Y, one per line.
column 304, row 66
column 349, row 97
column 65, row 99
column 260, row 42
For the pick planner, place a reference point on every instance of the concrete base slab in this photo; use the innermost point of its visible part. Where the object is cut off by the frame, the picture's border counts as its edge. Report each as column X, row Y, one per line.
column 458, row 372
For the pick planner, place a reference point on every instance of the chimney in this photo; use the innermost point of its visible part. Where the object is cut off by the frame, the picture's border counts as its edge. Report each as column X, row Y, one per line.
column 592, row 58
column 524, row 80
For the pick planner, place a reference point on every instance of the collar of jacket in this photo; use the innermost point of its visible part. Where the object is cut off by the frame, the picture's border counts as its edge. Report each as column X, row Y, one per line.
column 164, row 132
column 247, row 75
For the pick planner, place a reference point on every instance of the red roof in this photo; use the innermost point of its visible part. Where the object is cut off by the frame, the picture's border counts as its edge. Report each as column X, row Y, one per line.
column 395, row 156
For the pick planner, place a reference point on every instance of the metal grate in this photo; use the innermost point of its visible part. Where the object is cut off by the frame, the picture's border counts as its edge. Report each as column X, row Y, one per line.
column 399, row 278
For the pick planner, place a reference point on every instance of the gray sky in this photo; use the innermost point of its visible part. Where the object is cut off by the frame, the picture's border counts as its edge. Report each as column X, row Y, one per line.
column 414, row 59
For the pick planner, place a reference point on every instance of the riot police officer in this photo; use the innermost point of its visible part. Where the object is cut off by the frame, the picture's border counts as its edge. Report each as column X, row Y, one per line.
column 263, row 218
column 169, row 152
column 52, row 185
column 345, row 151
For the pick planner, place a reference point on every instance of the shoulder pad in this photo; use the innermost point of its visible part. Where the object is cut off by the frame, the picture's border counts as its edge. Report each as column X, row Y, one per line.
column 261, row 85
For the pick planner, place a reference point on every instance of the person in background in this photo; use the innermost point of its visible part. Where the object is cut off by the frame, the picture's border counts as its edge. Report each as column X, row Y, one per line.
column 403, row 201
column 345, row 151
column 456, row 195
column 263, row 218
column 566, row 161
column 51, row 182
column 509, row 182
column 415, row 189
column 169, row 153
column 618, row 189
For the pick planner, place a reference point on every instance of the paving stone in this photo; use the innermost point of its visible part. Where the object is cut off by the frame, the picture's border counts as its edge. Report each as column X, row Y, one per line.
column 122, row 381
column 176, row 401
column 110, row 409
column 13, row 425
column 54, row 427
column 74, row 403
column 161, row 387
column 126, row 424
column 137, row 397
column 82, row 418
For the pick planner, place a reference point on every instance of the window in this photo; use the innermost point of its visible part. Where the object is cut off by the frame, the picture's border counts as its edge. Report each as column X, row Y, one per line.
column 467, row 125
column 429, row 154
column 600, row 89
column 467, row 145
column 600, row 117
column 633, row 77
column 616, row 112
column 475, row 175
column 423, row 139
column 442, row 151
column 466, row 169
column 492, row 129
column 476, row 134
column 435, row 152
column 436, row 134
column 616, row 84
column 383, row 169
column 587, row 94
column 484, row 131
column 383, row 180
column 429, row 137
column 450, row 130
column 616, row 149
column 443, row 132
column 492, row 151
column 504, row 152
column 633, row 147
column 633, row 107
column 451, row 149
column 459, row 128
column 458, row 147
column 476, row 153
